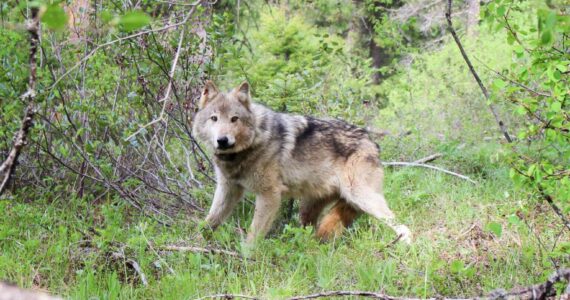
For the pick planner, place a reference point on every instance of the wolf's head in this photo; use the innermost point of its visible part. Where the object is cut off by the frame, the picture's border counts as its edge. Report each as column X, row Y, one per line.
column 225, row 121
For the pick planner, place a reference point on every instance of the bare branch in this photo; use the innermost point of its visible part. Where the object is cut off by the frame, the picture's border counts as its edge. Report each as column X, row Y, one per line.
column 88, row 56
column 164, row 99
column 428, row 158
column 556, row 209
column 502, row 126
column 538, row 93
column 413, row 164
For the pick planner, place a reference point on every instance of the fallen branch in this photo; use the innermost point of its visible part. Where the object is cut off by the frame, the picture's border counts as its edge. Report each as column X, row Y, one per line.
column 428, row 158
column 413, row 164
column 348, row 293
column 199, row 250
column 475, row 75
column 538, row 291
column 227, row 296
column 394, row 241
column 21, row 138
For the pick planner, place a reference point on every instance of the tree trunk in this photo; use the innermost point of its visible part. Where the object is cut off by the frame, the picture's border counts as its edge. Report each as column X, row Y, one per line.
column 380, row 58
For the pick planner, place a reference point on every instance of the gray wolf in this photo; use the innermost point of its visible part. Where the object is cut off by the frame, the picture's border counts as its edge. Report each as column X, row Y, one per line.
column 322, row 163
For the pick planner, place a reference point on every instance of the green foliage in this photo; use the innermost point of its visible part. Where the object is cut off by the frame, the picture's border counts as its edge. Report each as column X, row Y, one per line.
column 434, row 96
column 495, row 228
column 538, row 86
column 337, row 16
column 54, row 16
column 134, row 20
column 296, row 67
column 13, row 73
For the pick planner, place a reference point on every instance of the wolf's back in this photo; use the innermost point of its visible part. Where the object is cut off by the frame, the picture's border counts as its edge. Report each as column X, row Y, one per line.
column 304, row 138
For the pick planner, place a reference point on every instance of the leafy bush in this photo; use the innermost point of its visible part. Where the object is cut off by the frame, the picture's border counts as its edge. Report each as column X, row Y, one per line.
column 537, row 82
column 296, row 67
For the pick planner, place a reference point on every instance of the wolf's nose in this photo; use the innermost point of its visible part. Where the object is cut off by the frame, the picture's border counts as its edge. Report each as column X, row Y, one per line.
column 223, row 143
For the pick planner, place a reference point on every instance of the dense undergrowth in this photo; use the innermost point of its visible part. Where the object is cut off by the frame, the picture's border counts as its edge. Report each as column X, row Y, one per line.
column 78, row 236
column 69, row 246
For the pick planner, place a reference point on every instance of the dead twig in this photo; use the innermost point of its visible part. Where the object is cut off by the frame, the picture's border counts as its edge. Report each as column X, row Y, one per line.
column 199, row 250
column 413, row 164
column 21, row 138
column 394, row 241
column 428, row 158
column 502, row 126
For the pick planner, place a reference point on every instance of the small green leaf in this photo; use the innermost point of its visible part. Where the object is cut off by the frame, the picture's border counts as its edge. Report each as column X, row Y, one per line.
column 499, row 83
column 456, row 266
column 556, row 106
column 514, row 220
column 501, row 10
column 495, row 228
column 510, row 39
column 561, row 67
column 512, row 173
column 546, row 37
column 550, row 20
column 134, row 20
column 54, row 17
column 106, row 16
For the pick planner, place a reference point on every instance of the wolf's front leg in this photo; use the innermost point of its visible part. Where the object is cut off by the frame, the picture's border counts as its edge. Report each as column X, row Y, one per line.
column 225, row 199
column 266, row 208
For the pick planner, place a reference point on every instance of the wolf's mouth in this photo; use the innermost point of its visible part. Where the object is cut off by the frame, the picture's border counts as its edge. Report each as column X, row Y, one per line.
column 226, row 150
column 225, row 147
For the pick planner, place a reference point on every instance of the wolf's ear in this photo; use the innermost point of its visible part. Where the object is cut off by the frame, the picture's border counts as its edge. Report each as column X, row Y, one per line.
column 210, row 92
column 242, row 93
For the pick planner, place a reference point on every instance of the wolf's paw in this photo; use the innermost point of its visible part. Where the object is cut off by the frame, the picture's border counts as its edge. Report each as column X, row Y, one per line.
column 404, row 232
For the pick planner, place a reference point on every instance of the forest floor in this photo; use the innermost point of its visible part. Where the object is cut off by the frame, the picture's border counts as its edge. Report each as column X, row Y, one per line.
column 469, row 239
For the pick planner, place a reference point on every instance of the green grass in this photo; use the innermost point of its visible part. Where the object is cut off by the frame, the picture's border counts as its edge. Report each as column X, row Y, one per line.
column 66, row 246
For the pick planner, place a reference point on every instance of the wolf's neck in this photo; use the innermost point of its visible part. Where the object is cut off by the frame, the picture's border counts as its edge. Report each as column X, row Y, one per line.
column 236, row 157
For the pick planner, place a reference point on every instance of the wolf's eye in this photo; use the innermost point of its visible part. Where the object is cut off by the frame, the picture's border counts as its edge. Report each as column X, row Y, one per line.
column 214, row 118
column 234, row 118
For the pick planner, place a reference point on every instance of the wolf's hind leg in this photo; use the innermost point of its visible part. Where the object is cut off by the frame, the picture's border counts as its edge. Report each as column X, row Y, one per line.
column 340, row 216
column 311, row 209
column 374, row 204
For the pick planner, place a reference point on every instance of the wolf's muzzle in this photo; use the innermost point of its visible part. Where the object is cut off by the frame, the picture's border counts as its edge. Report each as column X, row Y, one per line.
column 224, row 143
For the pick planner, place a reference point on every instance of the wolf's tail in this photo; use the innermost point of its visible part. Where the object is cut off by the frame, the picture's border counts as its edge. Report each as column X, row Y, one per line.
column 340, row 216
